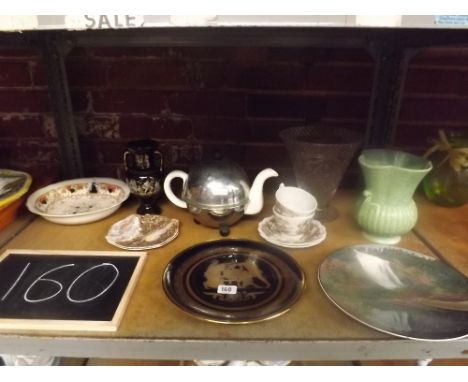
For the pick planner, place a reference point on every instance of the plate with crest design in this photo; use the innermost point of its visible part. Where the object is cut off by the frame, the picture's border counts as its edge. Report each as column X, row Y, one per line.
column 233, row 281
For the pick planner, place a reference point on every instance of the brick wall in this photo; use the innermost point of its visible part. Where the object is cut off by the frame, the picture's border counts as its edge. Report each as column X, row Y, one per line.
column 197, row 101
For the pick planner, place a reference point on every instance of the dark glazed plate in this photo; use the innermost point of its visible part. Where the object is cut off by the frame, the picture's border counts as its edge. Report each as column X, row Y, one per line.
column 397, row 291
column 233, row 281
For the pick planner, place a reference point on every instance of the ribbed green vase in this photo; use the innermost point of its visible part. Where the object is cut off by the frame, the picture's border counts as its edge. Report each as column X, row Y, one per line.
column 386, row 209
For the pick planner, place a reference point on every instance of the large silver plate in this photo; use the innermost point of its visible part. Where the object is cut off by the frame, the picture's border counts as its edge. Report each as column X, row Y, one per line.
column 397, row 291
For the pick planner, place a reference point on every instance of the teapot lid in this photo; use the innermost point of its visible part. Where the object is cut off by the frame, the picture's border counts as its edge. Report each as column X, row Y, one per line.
column 217, row 184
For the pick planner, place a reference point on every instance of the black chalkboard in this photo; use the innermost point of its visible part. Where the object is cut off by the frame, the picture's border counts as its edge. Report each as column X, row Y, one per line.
column 66, row 289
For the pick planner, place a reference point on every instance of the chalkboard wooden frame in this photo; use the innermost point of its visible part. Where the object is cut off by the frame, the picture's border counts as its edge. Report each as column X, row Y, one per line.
column 77, row 325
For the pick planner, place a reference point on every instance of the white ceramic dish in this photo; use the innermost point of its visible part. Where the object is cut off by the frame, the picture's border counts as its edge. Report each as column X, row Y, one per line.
column 269, row 231
column 140, row 232
column 78, row 201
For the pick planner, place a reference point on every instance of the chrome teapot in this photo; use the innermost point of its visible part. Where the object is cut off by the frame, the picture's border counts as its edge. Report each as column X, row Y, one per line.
column 217, row 193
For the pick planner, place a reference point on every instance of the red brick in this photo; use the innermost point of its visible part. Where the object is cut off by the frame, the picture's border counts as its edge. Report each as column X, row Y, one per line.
column 417, row 136
column 132, row 127
column 190, row 53
column 104, row 170
column 19, row 52
column 340, row 78
column 248, row 54
column 148, row 74
column 433, row 109
column 266, row 76
column 219, row 129
column 271, row 155
column 435, row 81
column 17, row 158
column 241, row 130
column 268, row 130
column 321, row 55
column 181, row 154
column 92, row 126
column 230, row 151
column 441, row 57
column 358, row 124
column 237, row 54
column 78, row 51
column 423, row 134
column 14, row 74
column 31, row 153
column 83, row 73
column 347, row 107
column 80, row 73
column 79, row 100
column 21, row 127
column 24, row 101
column 100, row 151
column 259, row 156
column 113, row 52
column 206, row 74
column 208, row 103
column 39, row 77
column 286, row 106
column 128, row 101
column 203, row 52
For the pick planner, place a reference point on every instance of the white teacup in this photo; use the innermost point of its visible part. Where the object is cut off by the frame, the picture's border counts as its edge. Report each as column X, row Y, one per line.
column 294, row 201
column 292, row 225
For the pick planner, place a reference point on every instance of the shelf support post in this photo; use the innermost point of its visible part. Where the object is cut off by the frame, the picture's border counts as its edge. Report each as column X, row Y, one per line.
column 391, row 65
column 54, row 49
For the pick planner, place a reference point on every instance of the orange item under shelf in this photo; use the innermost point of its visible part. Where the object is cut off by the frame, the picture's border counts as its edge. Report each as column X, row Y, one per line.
column 9, row 212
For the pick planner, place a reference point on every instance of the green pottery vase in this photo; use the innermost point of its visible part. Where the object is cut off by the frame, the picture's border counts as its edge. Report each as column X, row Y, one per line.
column 386, row 209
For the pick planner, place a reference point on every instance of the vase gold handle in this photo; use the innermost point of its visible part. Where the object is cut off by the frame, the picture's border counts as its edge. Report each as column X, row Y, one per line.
column 125, row 160
column 158, row 153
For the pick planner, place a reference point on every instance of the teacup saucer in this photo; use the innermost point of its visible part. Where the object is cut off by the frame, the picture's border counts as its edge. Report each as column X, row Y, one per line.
column 268, row 230
column 140, row 232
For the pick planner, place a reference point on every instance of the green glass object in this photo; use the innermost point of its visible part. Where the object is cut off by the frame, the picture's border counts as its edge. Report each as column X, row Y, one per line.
column 386, row 209
column 447, row 183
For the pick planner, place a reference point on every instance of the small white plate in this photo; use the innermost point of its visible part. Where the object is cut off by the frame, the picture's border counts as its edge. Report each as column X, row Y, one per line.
column 269, row 231
column 140, row 232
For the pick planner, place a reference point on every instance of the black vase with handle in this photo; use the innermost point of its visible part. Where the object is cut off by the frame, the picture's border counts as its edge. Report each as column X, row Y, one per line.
column 143, row 172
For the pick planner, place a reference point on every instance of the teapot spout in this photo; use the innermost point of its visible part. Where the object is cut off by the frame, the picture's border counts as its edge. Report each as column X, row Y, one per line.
column 255, row 204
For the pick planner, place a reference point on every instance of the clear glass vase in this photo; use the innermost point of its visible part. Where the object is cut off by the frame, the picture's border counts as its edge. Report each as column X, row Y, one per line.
column 320, row 156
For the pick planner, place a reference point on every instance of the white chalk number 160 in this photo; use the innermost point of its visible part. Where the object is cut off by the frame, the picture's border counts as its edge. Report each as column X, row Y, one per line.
column 59, row 285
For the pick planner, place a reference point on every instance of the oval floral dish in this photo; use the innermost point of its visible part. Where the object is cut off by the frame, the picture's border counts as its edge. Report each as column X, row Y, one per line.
column 233, row 281
column 78, row 201
column 397, row 291
column 139, row 232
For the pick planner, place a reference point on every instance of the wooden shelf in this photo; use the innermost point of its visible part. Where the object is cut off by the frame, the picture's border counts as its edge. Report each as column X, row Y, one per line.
column 154, row 328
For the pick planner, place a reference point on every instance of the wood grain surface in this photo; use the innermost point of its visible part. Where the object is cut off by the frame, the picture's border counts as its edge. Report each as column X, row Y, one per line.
column 445, row 230
column 150, row 314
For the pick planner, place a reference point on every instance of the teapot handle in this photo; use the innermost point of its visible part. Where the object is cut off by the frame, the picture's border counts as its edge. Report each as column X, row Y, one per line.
column 168, row 190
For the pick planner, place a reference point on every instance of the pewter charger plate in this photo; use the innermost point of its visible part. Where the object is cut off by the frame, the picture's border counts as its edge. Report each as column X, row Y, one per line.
column 233, row 281
column 397, row 291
